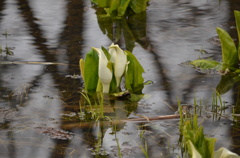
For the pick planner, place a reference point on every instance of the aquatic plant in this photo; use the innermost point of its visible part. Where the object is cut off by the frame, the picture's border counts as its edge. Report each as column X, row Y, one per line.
column 119, row 7
column 229, row 67
column 7, row 50
column 196, row 143
column 102, row 70
column 230, row 52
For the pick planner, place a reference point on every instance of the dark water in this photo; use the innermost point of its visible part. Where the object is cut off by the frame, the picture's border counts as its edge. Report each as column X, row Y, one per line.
column 40, row 115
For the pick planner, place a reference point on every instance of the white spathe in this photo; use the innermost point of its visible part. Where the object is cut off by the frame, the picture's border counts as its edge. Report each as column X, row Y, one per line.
column 104, row 73
column 119, row 59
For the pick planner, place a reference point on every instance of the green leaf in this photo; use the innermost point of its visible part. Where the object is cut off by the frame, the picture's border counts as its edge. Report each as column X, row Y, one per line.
column 205, row 63
column 113, row 84
column 94, row 1
column 114, row 7
column 229, row 51
column 106, row 53
column 138, row 5
column 133, row 75
column 128, row 36
column 237, row 19
column 106, row 24
column 137, row 25
column 102, row 3
column 91, row 71
column 136, row 97
column 238, row 52
column 226, row 83
column 123, row 7
column 237, row 71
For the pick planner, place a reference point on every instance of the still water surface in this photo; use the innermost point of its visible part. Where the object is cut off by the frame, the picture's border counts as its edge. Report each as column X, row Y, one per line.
column 39, row 103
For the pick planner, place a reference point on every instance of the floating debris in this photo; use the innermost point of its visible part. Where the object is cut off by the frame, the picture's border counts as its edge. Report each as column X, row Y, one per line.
column 7, row 115
column 55, row 133
column 73, row 76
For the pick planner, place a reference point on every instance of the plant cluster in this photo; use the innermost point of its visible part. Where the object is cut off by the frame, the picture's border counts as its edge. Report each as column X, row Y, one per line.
column 230, row 52
column 196, row 143
column 103, row 70
column 229, row 66
column 119, row 7
column 7, row 50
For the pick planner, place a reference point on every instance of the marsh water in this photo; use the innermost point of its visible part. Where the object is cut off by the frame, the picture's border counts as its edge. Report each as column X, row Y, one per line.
column 42, row 112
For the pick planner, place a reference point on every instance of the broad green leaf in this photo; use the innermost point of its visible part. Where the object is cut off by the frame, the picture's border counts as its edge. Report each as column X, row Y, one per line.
column 138, row 5
column 136, row 97
column 237, row 71
column 106, row 24
column 102, row 3
column 237, row 19
column 224, row 153
column 114, row 7
column 226, row 83
column 205, row 63
column 91, row 71
column 229, row 51
column 133, row 75
column 137, row 25
column 123, row 7
column 128, row 36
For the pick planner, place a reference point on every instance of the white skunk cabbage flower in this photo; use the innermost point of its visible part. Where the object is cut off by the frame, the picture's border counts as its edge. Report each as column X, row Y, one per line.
column 104, row 71
column 119, row 59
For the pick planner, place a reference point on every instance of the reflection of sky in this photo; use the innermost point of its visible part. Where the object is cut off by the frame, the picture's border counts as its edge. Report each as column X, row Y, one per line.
column 92, row 34
column 175, row 34
column 50, row 15
column 43, row 103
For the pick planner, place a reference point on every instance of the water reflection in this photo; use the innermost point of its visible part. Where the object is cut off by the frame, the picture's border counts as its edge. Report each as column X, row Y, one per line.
column 35, row 99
